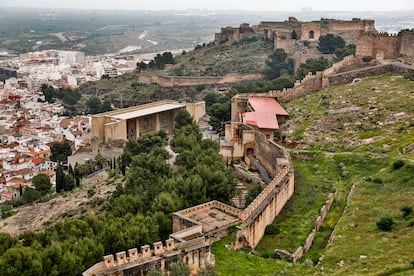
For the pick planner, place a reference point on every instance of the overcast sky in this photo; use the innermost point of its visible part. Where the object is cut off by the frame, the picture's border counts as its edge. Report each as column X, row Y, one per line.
column 262, row 5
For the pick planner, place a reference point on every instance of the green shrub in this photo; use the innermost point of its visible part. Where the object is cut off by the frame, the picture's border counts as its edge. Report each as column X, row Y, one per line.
column 377, row 180
column 385, row 223
column 269, row 255
column 409, row 76
column 407, row 210
column 272, row 229
column 366, row 58
column 398, row 164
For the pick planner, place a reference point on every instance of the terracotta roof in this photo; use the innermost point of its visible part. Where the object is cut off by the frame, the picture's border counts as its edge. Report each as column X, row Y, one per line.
column 76, row 132
column 65, row 122
column 267, row 105
column 37, row 160
column 17, row 180
column 17, row 186
column 7, row 195
column 261, row 120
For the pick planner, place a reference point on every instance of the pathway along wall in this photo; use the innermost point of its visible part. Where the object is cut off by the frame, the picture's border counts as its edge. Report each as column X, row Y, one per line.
column 268, row 204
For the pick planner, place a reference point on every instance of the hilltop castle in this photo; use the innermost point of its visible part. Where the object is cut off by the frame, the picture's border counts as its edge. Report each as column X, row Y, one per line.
column 291, row 35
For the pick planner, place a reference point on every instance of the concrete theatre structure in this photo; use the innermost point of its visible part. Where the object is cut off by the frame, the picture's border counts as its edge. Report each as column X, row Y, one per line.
column 132, row 122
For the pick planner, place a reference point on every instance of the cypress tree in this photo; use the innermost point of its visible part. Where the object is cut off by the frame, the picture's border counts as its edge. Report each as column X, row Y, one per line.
column 60, row 179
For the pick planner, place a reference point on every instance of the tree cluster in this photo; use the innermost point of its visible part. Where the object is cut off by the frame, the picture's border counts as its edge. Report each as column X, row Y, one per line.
column 329, row 43
column 159, row 62
column 278, row 64
column 312, row 65
column 68, row 96
column 60, row 152
column 95, row 105
column 67, row 182
column 219, row 108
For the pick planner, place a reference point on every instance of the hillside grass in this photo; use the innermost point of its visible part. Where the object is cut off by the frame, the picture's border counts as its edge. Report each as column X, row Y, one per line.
column 357, row 241
column 230, row 262
column 218, row 60
column 348, row 138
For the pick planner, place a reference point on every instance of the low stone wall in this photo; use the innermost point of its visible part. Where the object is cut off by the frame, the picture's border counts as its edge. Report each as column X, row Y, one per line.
column 393, row 68
column 301, row 250
column 330, row 76
column 146, row 77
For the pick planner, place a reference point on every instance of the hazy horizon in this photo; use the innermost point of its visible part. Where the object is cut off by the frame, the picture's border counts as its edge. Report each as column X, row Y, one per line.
column 258, row 5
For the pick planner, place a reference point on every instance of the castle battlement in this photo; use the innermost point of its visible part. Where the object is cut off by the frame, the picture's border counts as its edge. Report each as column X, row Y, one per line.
column 135, row 256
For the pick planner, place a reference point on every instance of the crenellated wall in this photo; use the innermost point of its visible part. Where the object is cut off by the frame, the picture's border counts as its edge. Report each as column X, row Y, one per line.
column 380, row 46
column 407, row 44
column 133, row 262
column 386, row 46
column 311, row 83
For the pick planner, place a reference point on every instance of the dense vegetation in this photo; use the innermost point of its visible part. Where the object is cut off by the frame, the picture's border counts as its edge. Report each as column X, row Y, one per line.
column 139, row 211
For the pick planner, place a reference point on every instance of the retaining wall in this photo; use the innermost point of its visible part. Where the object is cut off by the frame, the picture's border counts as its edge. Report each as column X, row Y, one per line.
column 146, row 77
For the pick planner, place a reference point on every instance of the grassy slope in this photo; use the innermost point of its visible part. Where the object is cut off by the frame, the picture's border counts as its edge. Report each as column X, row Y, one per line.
column 243, row 263
column 333, row 155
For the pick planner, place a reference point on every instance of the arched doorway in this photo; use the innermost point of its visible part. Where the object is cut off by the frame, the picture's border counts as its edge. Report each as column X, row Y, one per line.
column 311, row 35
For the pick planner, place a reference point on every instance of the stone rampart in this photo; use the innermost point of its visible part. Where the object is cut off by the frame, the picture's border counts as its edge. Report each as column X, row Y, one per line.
column 146, row 77
column 407, row 44
column 330, row 76
column 386, row 46
column 211, row 204
column 271, row 155
column 249, row 212
column 268, row 204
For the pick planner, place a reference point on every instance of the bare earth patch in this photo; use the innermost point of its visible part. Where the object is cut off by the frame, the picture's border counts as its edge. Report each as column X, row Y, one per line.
column 38, row 216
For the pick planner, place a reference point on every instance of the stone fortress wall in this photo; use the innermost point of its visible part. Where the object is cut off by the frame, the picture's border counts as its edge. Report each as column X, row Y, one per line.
column 369, row 42
column 146, row 77
column 337, row 74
